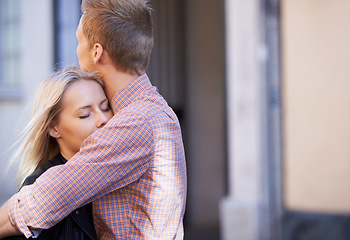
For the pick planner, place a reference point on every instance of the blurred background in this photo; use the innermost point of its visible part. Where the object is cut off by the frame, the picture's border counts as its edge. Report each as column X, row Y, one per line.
column 261, row 88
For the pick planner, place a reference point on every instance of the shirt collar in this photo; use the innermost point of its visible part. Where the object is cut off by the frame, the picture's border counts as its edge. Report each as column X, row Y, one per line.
column 125, row 96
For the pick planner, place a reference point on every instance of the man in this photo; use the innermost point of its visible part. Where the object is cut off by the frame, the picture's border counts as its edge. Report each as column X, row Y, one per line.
column 133, row 169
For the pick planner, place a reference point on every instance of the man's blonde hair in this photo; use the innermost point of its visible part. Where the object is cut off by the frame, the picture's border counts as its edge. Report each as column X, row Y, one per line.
column 124, row 28
column 37, row 147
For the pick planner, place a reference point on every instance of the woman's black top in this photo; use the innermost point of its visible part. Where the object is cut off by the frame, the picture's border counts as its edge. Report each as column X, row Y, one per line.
column 76, row 226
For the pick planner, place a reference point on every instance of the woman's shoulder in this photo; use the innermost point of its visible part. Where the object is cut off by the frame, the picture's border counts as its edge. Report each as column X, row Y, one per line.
column 57, row 160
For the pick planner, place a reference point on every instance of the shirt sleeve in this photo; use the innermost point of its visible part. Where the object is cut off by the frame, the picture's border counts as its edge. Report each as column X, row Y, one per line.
column 111, row 158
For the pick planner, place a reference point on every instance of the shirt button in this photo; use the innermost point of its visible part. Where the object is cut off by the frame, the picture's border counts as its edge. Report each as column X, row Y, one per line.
column 77, row 212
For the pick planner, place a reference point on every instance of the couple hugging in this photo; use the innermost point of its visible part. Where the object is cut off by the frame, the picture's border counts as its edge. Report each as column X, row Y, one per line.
column 102, row 157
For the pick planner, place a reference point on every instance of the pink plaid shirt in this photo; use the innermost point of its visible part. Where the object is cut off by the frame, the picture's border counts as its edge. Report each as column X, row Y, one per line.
column 133, row 169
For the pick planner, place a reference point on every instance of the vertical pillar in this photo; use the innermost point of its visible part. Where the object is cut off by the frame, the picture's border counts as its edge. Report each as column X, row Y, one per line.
column 240, row 210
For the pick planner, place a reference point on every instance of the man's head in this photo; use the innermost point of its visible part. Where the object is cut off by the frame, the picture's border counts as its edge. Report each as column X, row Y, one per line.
column 122, row 28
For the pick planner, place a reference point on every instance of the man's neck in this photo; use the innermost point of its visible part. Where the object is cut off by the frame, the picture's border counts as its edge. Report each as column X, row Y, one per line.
column 115, row 81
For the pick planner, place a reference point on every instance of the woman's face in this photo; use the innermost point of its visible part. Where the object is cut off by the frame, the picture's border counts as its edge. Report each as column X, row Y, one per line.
column 84, row 109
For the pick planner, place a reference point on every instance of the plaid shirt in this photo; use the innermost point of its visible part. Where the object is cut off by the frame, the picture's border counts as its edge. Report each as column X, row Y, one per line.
column 133, row 169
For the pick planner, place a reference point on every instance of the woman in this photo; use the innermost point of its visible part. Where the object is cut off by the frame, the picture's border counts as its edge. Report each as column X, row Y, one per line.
column 69, row 106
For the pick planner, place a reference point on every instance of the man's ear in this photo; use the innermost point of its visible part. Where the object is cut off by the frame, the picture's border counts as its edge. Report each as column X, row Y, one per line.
column 97, row 53
column 53, row 132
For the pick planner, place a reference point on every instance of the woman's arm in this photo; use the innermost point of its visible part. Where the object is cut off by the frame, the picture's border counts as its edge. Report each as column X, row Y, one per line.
column 6, row 228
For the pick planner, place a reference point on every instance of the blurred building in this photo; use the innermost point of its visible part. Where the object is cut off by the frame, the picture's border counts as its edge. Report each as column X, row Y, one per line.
column 261, row 90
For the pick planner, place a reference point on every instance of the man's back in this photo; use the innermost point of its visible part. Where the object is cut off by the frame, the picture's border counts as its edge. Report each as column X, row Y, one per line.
column 151, row 207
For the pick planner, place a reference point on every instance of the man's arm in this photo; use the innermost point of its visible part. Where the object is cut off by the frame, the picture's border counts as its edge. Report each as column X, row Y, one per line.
column 6, row 228
column 111, row 158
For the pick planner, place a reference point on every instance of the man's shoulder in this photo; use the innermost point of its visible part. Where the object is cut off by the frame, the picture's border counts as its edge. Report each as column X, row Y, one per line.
column 148, row 107
column 142, row 106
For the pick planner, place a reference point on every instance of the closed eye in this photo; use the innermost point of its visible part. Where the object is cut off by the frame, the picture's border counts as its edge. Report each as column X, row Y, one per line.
column 105, row 106
column 107, row 109
column 84, row 116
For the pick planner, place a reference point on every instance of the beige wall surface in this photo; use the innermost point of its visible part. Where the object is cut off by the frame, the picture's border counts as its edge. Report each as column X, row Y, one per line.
column 316, row 104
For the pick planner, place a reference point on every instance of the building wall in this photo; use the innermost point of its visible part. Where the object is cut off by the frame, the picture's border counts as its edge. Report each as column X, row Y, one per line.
column 316, row 105
column 36, row 62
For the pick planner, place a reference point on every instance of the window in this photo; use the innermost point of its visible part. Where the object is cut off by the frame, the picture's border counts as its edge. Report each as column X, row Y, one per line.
column 67, row 15
column 9, row 49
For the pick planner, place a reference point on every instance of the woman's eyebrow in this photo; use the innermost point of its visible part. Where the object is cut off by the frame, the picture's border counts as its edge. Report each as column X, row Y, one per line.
column 105, row 100
column 89, row 106
column 83, row 107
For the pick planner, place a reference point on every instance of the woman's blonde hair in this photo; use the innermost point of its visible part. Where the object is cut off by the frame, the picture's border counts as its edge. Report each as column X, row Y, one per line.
column 37, row 147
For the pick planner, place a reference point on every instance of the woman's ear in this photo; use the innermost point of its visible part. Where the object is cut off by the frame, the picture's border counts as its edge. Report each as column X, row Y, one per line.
column 53, row 132
column 97, row 53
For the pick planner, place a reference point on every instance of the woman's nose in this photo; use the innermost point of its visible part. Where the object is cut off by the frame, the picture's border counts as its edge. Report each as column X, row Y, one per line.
column 101, row 120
